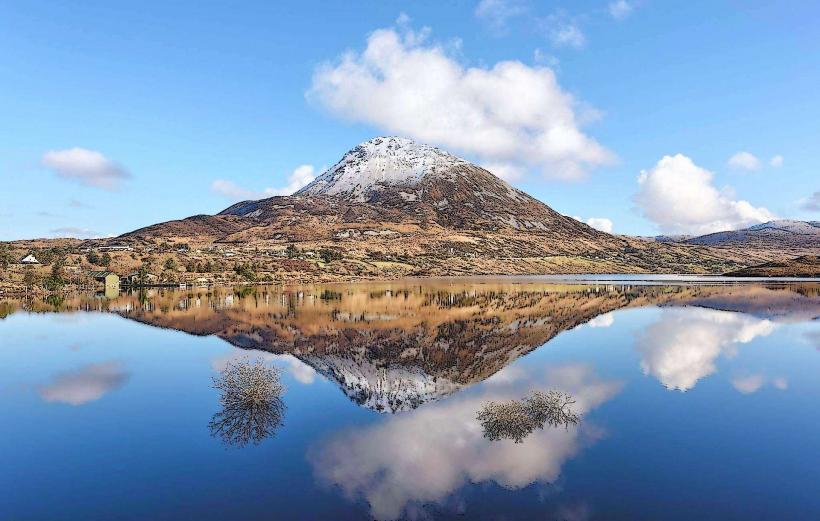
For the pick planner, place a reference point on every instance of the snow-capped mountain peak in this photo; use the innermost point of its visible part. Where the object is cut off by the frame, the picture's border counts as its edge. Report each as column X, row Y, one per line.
column 789, row 225
column 380, row 162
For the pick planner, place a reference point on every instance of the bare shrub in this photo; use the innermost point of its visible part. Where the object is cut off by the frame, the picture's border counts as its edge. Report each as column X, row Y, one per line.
column 517, row 419
column 251, row 400
column 553, row 408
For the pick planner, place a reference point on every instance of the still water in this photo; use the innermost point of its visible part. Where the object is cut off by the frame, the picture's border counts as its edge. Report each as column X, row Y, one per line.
column 697, row 401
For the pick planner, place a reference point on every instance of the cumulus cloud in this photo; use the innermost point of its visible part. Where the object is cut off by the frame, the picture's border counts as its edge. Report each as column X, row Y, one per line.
column 497, row 13
column 605, row 320
column 567, row 35
column 620, row 9
column 74, row 233
column 509, row 113
column 684, row 345
column 812, row 203
column 599, row 223
column 776, row 161
column 423, row 456
column 680, row 198
column 744, row 161
column 86, row 384
column 300, row 177
column 87, row 167
column 509, row 172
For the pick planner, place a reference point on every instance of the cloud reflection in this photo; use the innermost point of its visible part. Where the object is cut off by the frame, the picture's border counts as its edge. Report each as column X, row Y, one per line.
column 683, row 346
column 85, row 384
column 748, row 384
column 300, row 371
column 425, row 455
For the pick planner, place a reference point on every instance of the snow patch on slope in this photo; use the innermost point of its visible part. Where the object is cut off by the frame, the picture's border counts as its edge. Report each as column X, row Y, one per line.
column 384, row 389
column 382, row 161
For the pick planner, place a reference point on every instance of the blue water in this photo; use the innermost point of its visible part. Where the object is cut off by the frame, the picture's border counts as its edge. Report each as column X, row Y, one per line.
column 689, row 412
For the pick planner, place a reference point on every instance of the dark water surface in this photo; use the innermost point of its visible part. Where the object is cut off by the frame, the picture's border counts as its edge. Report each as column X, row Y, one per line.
column 697, row 402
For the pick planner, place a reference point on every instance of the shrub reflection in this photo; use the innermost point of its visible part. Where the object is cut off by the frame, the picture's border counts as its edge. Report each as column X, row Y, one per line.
column 251, row 400
column 517, row 419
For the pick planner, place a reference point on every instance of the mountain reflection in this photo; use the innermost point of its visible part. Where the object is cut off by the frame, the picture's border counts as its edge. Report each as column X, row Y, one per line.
column 424, row 456
column 394, row 346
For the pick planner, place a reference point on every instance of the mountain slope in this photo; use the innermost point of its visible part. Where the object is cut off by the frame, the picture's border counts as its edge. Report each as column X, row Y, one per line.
column 394, row 207
column 804, row 266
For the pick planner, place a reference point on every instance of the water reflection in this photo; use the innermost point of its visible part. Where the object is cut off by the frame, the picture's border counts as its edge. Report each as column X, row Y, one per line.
column 392, row 347
column 435, row 354
column 85, row 384
column 252, row 406
column 517, row 419
column 684, row 345
column 424, row 456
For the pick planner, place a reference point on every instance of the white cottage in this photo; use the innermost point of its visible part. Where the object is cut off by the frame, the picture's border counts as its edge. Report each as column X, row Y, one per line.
column 29, row 259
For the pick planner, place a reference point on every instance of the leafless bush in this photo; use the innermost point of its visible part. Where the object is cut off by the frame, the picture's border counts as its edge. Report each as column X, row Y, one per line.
column 505, row 420
column 517, row 419
column 553, row 408
column 251, row 400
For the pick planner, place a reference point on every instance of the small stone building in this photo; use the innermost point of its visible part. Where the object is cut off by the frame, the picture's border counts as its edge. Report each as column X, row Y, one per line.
column 110, row 280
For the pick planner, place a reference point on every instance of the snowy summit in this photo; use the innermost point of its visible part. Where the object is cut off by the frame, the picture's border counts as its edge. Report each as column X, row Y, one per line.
column 382, row 161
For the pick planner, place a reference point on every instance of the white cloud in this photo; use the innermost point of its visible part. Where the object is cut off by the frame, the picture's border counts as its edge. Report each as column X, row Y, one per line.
column 300, row 177
column 776, row 161
column 542, row 58
column 680, row 198
column 509, row 113
column 87, row 167
column 780, row 383
column 744, row 161
column 300, row 371
column 605, row 320
column 620, row 9
column 423, row 456
column 684, row 345
column 498, row 12
column 599, row 223
column 567, row 35
column 509, row 172
column 812, row 203
column 75, row 233
column 86, row 384
column 748, row 384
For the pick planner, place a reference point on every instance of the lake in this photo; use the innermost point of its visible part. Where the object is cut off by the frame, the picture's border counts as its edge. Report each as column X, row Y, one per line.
column 695, row 401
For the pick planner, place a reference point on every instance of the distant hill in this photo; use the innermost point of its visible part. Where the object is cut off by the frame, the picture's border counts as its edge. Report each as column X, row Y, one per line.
column 780, row 234
column 805, row 266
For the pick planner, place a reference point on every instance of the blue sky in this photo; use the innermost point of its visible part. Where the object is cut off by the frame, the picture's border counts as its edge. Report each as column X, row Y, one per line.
column 117, row 115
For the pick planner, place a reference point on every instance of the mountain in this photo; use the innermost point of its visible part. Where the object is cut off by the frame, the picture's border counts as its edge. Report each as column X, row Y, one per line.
column 799, row 236
column 396, row 180
column 393, row 207
column 803, row 266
